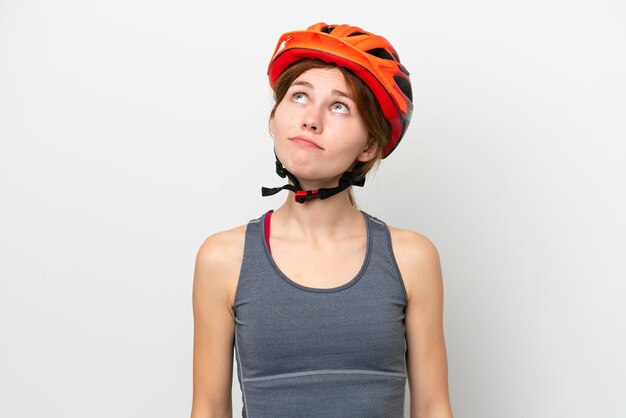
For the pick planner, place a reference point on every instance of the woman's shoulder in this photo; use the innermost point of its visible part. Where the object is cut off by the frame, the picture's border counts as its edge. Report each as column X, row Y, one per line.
column 411, row 240
column 224, row 246
column 417, row 257
column 218, row 261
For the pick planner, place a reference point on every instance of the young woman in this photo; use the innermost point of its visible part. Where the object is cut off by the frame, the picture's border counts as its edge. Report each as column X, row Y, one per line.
column 326, row 309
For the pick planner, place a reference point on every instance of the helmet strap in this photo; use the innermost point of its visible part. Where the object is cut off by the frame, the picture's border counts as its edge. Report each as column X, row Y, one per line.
column 348, row 179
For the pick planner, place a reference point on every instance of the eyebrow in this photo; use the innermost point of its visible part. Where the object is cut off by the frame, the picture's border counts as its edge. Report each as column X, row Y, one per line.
column 309, row 85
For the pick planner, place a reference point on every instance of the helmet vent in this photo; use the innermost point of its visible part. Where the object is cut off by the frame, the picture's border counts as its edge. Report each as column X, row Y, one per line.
column 405, row 86
column 381, row 53
column 327, row 29
column 357, row 34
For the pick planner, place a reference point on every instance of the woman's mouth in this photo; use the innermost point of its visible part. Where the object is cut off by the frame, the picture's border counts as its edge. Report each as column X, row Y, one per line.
column 306, row 142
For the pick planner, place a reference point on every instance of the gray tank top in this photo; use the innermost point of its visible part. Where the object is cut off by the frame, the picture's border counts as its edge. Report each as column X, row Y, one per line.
column 310, row 352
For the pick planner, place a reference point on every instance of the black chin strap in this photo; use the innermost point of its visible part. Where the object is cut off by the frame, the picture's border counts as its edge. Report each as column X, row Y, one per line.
column 347, row 179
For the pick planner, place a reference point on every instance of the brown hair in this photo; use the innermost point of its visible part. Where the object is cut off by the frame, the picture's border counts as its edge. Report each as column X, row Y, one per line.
column 377, row 126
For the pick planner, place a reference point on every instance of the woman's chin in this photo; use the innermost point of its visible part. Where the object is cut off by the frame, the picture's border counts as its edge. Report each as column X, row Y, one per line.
column 311, row 182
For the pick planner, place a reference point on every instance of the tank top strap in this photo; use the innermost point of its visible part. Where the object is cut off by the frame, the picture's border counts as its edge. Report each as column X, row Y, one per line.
column 382, row 252
column 254, row 258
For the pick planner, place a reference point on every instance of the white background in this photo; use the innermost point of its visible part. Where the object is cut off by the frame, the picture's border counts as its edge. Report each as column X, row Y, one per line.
column 131, row 130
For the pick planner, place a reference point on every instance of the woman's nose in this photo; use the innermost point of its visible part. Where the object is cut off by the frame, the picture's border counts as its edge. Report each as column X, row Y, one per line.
column 309, row 124
column 311, row 120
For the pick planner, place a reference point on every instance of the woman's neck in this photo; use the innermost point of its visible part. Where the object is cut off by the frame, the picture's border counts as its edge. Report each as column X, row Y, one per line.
column 318, row 219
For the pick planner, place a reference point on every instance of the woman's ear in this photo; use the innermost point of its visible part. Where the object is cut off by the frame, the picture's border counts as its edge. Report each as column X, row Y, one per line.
column 368, row 153
column 271, row 126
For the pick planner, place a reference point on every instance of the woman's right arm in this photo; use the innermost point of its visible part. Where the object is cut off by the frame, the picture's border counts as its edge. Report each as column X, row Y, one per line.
column 217, row 266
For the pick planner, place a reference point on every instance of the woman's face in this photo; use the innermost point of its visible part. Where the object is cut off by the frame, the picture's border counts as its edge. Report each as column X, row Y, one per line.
column 318, row 132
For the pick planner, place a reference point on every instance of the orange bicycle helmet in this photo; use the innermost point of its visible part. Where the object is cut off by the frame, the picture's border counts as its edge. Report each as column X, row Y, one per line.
column 370, row 57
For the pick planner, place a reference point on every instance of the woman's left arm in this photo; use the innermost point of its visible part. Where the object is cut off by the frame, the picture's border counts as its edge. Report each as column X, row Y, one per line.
column 427, row 365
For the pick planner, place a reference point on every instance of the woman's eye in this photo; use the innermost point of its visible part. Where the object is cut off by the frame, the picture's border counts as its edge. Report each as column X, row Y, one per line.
column 299, row 97
column 341, row 108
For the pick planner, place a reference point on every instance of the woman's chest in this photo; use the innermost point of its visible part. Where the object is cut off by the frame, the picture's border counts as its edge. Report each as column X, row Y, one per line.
column 278, row 332
column 329, row 267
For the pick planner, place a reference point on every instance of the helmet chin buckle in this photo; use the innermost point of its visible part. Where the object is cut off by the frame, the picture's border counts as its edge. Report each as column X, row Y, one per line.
column 302, row 196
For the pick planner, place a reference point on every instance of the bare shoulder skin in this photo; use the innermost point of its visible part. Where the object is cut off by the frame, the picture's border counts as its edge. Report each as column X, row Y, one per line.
column 427, row 367
column 217, row 267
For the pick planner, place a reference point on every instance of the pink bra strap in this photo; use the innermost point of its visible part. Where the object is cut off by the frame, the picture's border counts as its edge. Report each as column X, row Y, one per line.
column 267, row 229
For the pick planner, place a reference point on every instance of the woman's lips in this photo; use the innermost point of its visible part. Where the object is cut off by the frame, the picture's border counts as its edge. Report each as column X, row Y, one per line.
column 306, row 142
